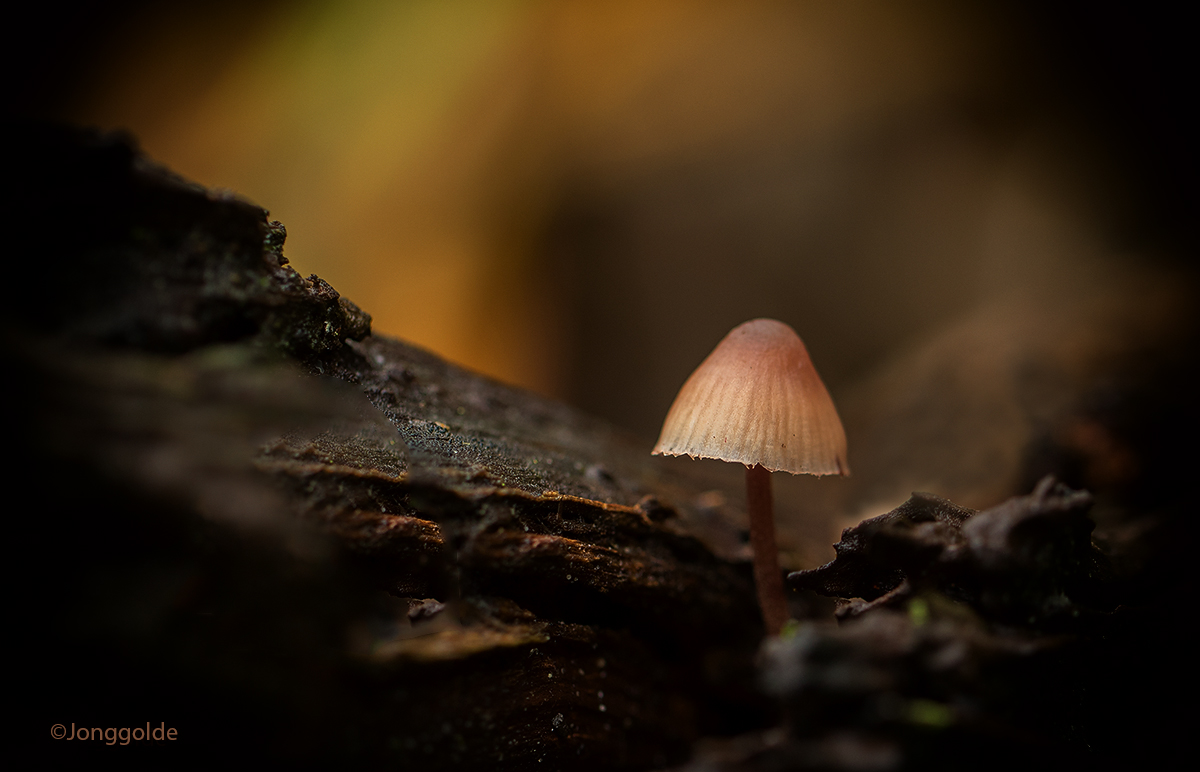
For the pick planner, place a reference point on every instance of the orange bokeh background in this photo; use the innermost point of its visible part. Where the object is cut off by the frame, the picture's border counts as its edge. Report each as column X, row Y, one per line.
column 582, row 198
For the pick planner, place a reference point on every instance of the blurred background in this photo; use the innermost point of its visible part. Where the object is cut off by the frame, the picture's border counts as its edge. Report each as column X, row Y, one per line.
column 979, row 216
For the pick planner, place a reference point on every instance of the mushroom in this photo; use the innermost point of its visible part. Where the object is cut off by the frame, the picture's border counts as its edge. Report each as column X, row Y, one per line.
column 758, row 400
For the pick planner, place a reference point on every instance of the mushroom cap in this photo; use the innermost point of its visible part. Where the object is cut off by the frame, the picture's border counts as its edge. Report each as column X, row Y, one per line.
column 757, row 399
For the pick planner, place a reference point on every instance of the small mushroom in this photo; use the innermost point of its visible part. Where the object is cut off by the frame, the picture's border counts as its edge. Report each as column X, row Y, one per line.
column 758, row 400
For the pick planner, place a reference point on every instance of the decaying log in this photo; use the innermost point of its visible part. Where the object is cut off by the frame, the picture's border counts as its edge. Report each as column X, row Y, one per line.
column 252, row 520
column 261, row 522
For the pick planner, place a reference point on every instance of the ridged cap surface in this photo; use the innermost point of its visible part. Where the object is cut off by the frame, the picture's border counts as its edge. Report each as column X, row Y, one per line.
column 757, row 399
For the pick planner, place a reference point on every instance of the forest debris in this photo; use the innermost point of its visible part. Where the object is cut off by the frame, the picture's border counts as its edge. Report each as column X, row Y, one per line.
column 1028, row 560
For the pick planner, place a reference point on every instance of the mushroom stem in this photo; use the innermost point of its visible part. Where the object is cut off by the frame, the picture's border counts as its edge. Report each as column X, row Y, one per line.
column 767, row 576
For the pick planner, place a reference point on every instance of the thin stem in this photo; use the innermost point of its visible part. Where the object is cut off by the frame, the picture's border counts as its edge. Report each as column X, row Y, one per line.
column 767, row 576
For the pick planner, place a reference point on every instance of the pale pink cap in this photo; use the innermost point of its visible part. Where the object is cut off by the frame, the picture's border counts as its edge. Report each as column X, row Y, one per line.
column 757, row 399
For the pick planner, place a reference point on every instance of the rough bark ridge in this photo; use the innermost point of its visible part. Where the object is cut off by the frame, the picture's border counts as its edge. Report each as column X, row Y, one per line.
column 275, row 526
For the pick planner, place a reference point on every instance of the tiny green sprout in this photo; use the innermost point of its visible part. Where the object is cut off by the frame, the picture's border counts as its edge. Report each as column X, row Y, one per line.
column 918, row 612
column 929, row 713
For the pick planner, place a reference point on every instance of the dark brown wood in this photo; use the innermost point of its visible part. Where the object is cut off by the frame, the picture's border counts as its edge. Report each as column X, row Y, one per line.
column 767, row 576
column 305, row 540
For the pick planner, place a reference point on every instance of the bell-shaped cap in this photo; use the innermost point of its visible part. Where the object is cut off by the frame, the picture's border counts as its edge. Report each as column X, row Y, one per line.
column 757, row 399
